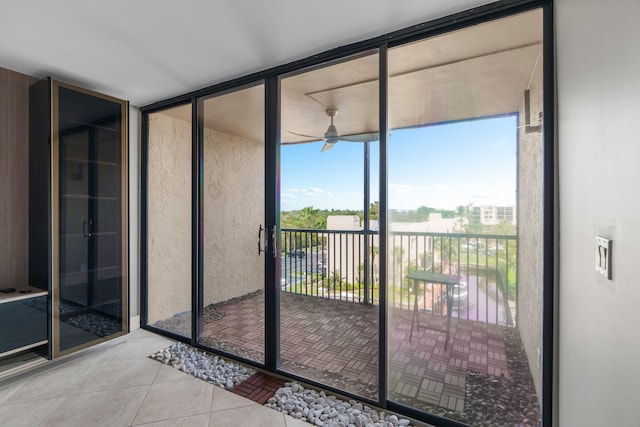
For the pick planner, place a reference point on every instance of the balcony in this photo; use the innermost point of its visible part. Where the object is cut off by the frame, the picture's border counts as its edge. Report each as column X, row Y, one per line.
column 329, row 324
column 334, row 265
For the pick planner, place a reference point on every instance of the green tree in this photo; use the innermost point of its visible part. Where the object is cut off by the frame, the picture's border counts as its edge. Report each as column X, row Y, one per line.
column 463, row 214
column 307, row 216
column 504, row 228
column 398, row 255
column 447, row 249
column 374, row 210
column 335, row 280
column 473, row 227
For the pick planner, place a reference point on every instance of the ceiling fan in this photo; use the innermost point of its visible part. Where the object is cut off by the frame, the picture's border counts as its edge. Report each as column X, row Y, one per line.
column 332, row 136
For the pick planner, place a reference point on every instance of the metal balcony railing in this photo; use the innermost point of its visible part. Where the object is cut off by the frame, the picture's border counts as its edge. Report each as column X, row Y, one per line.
column 344, row 265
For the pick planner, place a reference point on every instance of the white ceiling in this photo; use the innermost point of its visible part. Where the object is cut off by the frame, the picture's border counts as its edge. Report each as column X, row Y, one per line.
column 148, row 50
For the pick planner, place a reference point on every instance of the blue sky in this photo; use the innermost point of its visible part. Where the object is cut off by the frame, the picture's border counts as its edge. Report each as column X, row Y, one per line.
column 441, row 166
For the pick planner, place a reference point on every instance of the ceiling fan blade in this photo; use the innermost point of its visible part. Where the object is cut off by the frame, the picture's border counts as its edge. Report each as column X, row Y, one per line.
column 314, row 138
column 295, row 142
column 361, row 137
column 332, row 136
column 327, row 146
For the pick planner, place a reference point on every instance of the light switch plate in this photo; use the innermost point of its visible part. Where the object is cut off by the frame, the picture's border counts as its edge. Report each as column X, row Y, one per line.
column 603, row 256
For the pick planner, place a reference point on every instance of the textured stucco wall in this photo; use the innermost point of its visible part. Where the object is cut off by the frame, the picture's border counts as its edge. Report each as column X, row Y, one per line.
column 530, row 227
column 233, row 211
column 169, row 217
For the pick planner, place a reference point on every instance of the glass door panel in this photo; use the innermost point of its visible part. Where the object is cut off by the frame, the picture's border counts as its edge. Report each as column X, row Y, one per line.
column 464, row 205
column 328, row 284
column 90, row 299
column 231, row 311
column 169, row 224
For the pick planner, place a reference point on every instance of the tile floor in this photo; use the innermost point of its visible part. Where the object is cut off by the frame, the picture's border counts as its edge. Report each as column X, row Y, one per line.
column 116, row 384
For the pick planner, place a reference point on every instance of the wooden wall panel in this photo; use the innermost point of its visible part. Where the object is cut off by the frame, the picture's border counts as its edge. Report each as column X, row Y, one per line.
column 14, row 178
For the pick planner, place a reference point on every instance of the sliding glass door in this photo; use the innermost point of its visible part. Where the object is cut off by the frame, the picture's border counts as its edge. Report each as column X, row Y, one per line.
column 329, row 312
column 231, row 305
column 464, row 275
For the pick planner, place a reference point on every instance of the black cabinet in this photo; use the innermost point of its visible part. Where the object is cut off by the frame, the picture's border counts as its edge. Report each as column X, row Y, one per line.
column 78, row 211
column 24, row 322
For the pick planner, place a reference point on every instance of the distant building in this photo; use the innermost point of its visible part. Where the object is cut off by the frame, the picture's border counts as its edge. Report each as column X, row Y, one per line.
column 344, row 253
column 343, row 222
column 492, row 214
column 345, row 250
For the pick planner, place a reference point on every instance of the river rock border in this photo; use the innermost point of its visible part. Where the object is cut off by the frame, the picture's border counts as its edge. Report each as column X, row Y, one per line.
column 208, row 367
column 305, row 404
column 317, row 408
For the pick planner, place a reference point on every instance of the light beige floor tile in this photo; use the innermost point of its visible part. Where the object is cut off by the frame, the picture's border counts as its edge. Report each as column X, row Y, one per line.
column 108, row 408
column 61, row 381
column 250, row 416
column 294, row 422
column 167, row 374
column 201, row 420
column 102, row 353
column 94, row 358
column 141, row 334
column 104, row 408
column 122, row 347
column 128, row 373
column 223, row 400
column 46, row 412
column 8, row 391
column 139, row 347
column 175, row 399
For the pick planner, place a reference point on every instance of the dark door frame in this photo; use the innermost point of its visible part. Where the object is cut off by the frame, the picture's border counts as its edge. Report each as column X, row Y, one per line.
column 271, row 79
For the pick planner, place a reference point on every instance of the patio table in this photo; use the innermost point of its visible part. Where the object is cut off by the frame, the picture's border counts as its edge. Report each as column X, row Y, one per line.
column 430, row 277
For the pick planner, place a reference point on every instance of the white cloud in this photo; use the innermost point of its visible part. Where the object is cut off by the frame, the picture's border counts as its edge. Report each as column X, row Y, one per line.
column 500, row 198
column 403, row 196
column 404, row 188
column 297, row 198
column 482, row 196
column 295, row 193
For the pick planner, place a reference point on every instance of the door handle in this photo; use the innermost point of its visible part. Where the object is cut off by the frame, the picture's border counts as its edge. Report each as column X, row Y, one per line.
column 274, row 245
column 86, row 228
column 260, row 249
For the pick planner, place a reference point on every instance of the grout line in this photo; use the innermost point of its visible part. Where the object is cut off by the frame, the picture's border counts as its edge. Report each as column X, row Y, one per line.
column 171, row 419
column 140, row 406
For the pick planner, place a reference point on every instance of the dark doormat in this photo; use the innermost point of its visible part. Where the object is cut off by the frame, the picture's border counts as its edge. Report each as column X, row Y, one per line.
column 259, row 387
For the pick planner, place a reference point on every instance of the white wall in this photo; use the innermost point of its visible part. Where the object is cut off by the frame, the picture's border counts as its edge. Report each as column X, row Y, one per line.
column 598, row 83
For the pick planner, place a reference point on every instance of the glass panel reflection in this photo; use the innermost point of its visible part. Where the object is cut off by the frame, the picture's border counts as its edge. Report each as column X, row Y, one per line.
column 464, row 270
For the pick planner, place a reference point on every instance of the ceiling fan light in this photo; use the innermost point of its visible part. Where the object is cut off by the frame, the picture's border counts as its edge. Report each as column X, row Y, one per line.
column 331, row 135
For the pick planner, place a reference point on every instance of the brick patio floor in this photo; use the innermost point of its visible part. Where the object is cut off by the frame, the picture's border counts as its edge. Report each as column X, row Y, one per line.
column 336, row 343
